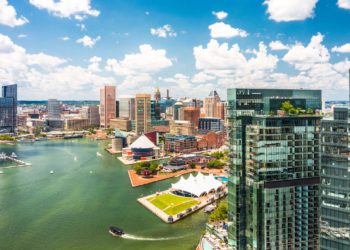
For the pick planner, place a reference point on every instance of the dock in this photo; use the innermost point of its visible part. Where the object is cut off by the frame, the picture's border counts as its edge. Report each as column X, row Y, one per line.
column 20, row 163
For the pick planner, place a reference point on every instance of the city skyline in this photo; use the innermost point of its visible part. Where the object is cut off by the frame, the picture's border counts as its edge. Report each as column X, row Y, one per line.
column 59, row 50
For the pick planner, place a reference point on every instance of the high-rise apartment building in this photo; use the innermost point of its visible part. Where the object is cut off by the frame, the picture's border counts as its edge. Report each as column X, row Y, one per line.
column 53, row 109
column 8, row 109
column 335, row 181
column 211, row 103
column 127, row 108
column 142, row 113
column 107, row 105
column 274, row 172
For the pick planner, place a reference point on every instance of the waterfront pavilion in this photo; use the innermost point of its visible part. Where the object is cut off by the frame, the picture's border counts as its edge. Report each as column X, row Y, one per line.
column 196, row 186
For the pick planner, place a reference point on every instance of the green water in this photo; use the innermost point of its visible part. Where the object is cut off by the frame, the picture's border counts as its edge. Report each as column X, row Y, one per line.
column 73, row 208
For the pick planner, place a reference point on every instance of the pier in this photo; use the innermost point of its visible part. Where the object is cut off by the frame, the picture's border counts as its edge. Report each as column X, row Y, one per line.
column 13, row 158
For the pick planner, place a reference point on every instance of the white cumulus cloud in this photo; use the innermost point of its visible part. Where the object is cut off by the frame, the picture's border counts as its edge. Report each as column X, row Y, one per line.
column 77, row 9
column 164, row 31
column 8, row 15
column 345, row 48
column 223, row 30
column 304, row 57
column 221, row 15
column 87, row 41
column 290, row 10
column 345, row 4
column 277, row 45
column 40, row 75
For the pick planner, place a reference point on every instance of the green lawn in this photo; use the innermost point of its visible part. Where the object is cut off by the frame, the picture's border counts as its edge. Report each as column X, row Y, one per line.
column 172, row 204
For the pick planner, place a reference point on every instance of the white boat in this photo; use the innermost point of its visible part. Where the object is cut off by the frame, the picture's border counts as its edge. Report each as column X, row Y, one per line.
column 51, row 172
column 1, row 172
column 13, row 155
column 98, row 154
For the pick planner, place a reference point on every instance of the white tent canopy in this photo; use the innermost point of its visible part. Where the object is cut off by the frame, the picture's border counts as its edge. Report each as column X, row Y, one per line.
column 197, row 185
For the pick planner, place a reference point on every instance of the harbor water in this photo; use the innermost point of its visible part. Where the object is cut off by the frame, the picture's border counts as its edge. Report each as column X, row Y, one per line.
column 70, row 195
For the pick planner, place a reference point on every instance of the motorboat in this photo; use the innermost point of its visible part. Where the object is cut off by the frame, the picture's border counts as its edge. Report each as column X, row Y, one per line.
column 116, row 231
column 51, row 172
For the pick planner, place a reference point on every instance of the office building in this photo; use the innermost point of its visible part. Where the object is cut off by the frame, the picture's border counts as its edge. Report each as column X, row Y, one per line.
column 53, row 109
column 210, row 124
column 192, row 115
column 92, row 114
column 117, row 108
column 142, row 113
column 181, row 128
column 123, row 124
column 157, row 95
column 127, row 108
column 335, row 180
column 8, row 109
column 76, row 123
column 107, row 105
column 180, row 143
column 274, row 169
column 155, row 110
column 211, row 103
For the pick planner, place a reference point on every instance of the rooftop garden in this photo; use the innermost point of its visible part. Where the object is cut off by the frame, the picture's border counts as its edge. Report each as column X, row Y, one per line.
column 287, row 108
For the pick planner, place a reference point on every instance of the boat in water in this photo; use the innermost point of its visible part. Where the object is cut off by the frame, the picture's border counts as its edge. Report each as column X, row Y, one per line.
column 13, row 155
column 51, row 172
column 116, row 231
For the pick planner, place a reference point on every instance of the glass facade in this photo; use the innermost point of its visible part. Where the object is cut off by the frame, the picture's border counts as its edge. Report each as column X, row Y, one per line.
column 249, row 193
column 335, row 181
column 8, row 109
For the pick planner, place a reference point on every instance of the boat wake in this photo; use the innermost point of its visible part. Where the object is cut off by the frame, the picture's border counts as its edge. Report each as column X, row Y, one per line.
column 135, row 237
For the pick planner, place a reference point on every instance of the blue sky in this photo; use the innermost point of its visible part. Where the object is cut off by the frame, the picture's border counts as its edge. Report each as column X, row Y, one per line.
column 67, row 49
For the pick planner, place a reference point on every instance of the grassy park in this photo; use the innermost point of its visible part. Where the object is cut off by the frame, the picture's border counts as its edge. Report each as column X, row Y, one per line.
column 172, row 204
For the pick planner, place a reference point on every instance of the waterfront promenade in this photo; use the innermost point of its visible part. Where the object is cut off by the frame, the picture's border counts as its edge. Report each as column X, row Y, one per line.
column 137, row 180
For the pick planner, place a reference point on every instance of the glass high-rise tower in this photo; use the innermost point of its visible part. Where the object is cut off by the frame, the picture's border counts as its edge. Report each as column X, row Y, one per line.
column 275, row 166
column 8, row 109
column 335, row 181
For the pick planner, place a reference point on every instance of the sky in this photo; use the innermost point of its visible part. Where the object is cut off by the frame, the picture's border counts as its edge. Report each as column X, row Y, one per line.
column 68, row 49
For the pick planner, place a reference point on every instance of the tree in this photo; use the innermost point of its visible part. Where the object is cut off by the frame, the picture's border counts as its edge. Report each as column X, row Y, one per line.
column 287, row 106
column 138, row 168
column 192, row 165
column 220, row 213
column 215, row 164
column 310, row 111
column 153, row 167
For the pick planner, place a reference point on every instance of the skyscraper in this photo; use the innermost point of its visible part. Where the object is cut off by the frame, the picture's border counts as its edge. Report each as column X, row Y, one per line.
column 8, row 109
column 335, row 180
column 274, row 173
column 53, row 109
column 107, row 105
column 142, row 113
column 157, row 95
column 211, row 103
column 127, row 108
column 92, row 114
